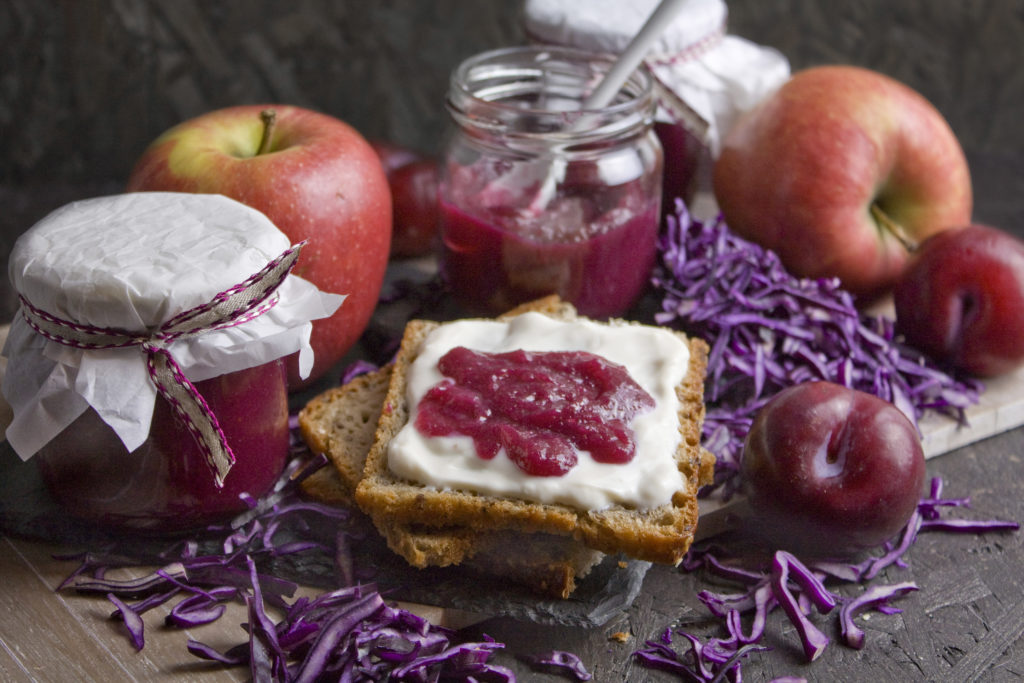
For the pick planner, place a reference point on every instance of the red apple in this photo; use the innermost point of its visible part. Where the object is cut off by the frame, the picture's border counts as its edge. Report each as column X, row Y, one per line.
column 413, row 179
column 961, row 301
column 315, row 177
column 838, row 171
column 829, row 470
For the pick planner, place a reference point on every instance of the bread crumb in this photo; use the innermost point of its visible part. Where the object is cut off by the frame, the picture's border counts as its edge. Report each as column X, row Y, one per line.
column 619, row 637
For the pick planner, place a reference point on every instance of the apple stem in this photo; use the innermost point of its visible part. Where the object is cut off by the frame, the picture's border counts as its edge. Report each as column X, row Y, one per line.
column 269, row 118
column 893, row 228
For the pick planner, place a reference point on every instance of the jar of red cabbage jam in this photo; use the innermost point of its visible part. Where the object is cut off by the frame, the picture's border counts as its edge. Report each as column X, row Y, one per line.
column 146, row 364
column 704, row 78
column 539, row 196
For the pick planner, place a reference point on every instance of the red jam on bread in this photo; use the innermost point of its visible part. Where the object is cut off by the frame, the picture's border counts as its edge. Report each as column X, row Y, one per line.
column 541, row 407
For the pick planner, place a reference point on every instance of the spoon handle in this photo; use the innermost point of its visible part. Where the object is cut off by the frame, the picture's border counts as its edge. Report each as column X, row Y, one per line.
column 634, row 53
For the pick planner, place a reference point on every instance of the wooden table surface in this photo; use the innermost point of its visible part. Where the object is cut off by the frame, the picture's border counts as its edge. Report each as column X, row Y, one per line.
column 964, row 624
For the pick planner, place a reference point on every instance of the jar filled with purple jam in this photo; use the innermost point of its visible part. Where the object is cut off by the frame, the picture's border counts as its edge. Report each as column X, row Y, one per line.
column 539, row 196
column 146, row 365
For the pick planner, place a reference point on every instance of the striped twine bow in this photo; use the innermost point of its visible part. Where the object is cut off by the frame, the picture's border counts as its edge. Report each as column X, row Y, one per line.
column 232, row 307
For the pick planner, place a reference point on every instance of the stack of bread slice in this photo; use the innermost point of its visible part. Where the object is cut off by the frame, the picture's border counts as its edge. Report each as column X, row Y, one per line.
column 546, row 547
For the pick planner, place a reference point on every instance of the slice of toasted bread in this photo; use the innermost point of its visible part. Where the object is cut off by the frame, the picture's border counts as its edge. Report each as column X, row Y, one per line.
column 662, row 534
column 341, row 423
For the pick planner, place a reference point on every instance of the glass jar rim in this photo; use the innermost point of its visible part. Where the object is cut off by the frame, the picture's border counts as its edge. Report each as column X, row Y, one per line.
column 481, row 86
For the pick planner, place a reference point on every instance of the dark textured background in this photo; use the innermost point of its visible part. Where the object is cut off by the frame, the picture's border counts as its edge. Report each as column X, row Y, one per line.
column 86, row 84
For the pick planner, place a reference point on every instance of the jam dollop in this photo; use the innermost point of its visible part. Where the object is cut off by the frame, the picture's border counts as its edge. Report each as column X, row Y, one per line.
column 540, row 407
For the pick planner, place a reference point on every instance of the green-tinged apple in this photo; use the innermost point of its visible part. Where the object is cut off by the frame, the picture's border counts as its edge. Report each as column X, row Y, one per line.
column 841, row 171
column 315, row 177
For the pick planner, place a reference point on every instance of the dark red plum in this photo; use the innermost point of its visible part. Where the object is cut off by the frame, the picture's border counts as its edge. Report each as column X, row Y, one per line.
column 829, row 470
column 961, row 301
column 412, row 179
column 417, row 214
column 393, row 156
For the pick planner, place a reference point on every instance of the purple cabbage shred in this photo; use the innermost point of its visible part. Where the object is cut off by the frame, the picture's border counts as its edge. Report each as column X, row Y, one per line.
column 799, row 588
column 768, row 330
column 132, row 621
column 348, row 634
column 562, row 662
column 783, row 564
column 355, row 369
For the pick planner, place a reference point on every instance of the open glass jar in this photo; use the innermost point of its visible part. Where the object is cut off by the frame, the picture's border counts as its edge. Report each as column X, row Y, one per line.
column 146, row 366
column 539, row 196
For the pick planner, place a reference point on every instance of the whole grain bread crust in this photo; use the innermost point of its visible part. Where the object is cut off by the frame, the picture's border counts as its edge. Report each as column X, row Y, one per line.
column 662, row 534
column 341, row 423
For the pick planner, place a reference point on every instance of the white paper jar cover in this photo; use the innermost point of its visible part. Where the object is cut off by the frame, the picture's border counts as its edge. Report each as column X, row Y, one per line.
column 713, row 75
column 132, row 262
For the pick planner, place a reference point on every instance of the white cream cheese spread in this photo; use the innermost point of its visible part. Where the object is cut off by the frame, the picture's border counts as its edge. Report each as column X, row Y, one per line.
column 655, row 358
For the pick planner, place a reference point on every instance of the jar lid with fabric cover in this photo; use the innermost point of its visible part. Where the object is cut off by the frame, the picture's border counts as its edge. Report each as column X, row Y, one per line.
column 143, row 318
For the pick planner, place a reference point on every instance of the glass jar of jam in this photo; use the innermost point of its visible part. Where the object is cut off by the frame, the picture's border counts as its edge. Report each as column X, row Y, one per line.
column 539, row 196
column 146, row 366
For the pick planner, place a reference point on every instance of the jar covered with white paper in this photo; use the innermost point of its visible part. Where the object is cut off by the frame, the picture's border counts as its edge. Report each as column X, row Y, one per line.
column 146, row 364
column 704, row 77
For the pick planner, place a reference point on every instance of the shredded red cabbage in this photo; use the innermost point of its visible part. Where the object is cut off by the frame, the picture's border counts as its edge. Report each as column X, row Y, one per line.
column 814, row 641
column 131, row 619
column 768, row 330
column 347, row 634
column 561, row 662
column 355, row 369
column 799, row 588
column 876, row 597
column 694, row 665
